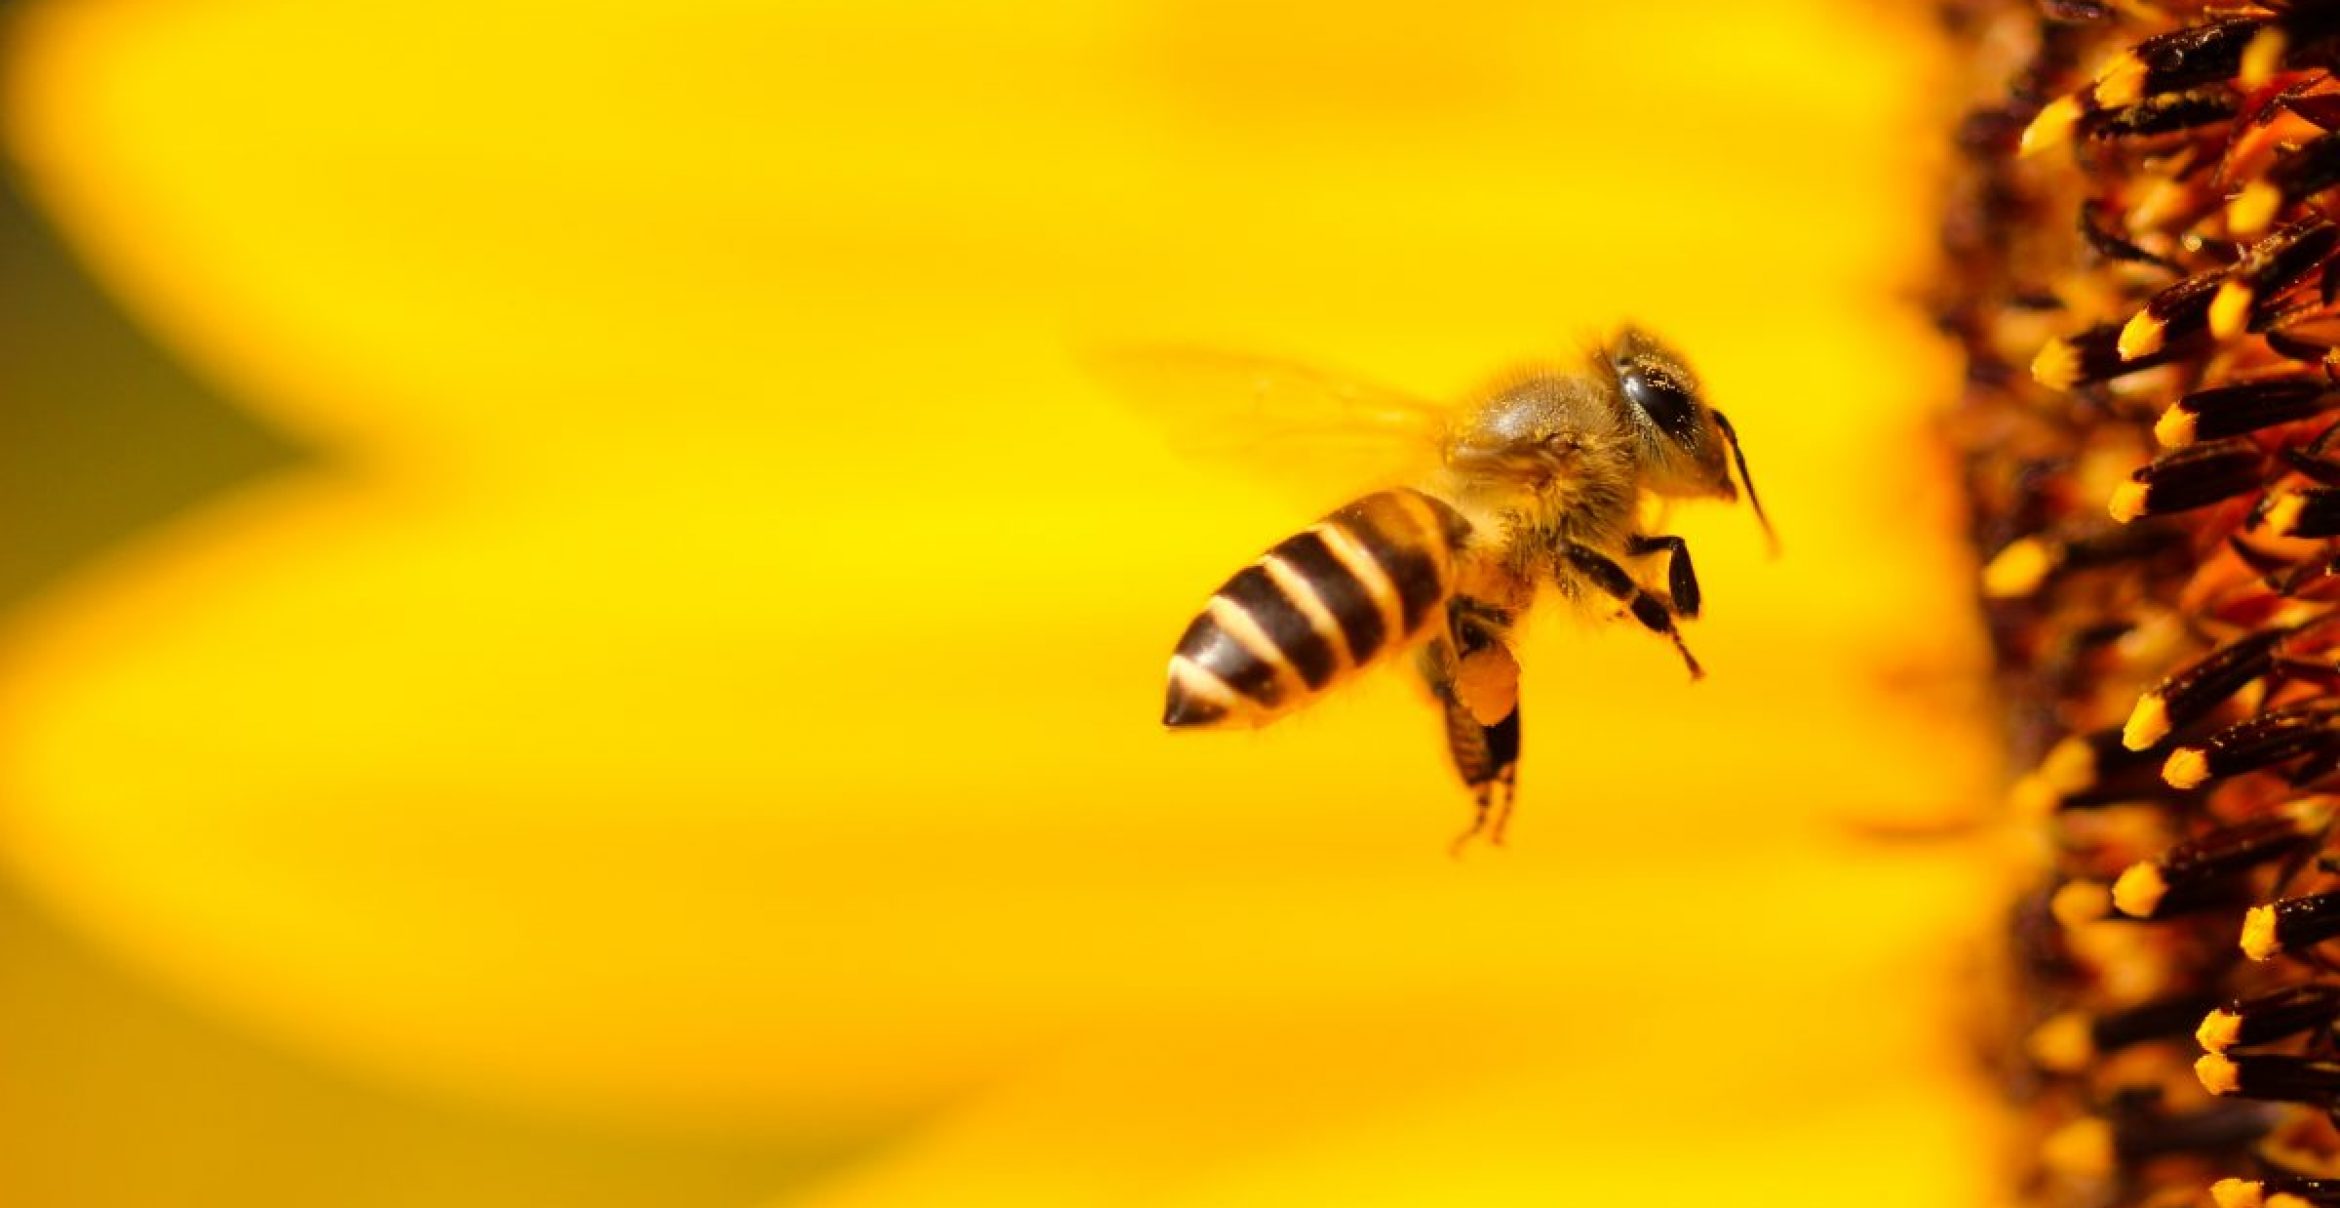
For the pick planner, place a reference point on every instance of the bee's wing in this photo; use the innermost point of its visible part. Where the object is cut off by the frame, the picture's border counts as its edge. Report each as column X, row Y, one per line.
column 1322, row 435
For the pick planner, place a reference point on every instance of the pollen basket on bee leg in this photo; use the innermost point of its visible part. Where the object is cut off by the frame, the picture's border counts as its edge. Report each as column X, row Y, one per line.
column 1486, row 683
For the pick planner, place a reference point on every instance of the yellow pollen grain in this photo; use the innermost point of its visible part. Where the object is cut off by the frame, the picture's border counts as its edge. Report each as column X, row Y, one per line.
column 2218, row 1074
column 2139, row 890
column 2219, row 1030
column 2070, row 766
column 2175, row 427
column 2262, row 58
column 2155, row 639
column 2142, row 336
column 2238, row 1193
column 2283, row 513
column 2052, row 128
column 2080, row 903
column 2187, row 768
column 2230, row 310
column 2018, row 570
column 2295, row 614
column 2161, row 201
column 2288, row 1199
column 2128, row 502
column 2033, row 797
column 2063, row 1044
column 2253, row 209
column 2082, row 1148
column 2258, row 934
column 2057, row 366
column 2121, row 81
column 2148, row 722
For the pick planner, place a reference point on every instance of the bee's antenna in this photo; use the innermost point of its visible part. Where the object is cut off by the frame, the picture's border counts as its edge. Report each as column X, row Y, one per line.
column 1740, row 456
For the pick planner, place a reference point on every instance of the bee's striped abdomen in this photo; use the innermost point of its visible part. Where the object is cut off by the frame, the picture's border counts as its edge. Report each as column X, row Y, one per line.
column 1363, row 581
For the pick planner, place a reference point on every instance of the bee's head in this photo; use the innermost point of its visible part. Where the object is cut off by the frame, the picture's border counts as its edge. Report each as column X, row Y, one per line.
column 1687, row 446
column 1683, row 452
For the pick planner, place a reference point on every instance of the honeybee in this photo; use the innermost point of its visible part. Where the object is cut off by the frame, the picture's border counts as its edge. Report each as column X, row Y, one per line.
column 1537, row 480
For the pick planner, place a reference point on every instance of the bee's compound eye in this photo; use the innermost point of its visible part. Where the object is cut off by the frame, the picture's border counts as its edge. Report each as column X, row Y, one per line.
column 1663, row 399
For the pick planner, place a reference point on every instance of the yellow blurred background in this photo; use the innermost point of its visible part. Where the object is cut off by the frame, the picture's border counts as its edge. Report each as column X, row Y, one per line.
column 575, row 633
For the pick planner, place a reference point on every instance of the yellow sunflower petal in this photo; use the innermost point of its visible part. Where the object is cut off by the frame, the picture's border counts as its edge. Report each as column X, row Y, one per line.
column 710, row 681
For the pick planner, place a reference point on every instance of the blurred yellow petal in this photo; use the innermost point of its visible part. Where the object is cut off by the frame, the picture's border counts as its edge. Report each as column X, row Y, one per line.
column 711, row 681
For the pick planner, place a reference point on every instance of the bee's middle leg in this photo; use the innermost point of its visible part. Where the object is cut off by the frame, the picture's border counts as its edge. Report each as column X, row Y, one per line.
column 1681, row 578
column 1652, row 612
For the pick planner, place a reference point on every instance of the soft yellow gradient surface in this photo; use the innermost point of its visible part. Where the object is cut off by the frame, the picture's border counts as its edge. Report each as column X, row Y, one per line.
column 710, row 681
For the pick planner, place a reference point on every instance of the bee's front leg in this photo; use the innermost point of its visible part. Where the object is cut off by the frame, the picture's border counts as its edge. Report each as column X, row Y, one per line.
column 1603, row 572
column 1681, row 579
column 1473, row 674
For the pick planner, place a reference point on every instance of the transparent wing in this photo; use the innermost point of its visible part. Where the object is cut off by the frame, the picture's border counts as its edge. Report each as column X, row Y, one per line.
column 1320, row 434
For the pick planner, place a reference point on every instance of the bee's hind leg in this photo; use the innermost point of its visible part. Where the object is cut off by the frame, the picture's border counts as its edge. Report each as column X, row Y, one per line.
column 1652, row 612
column 1487, row 757
column 1476, row 680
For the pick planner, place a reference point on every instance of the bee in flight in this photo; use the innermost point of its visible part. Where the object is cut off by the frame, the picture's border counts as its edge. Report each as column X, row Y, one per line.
column 1538, row 479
